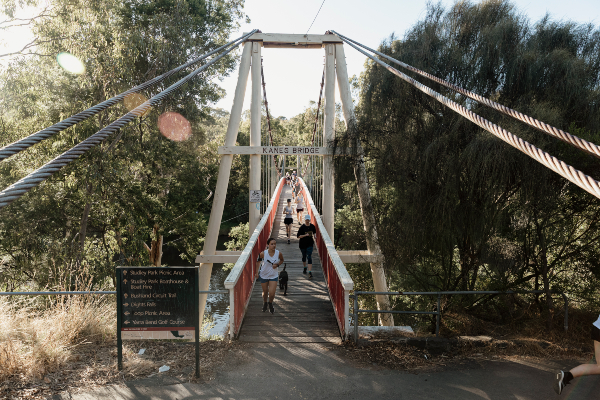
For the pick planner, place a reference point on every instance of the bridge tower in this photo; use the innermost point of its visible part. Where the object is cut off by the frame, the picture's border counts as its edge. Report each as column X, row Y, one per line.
column 251, row 64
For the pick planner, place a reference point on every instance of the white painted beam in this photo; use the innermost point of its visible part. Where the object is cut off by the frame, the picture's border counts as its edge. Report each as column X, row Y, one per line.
column 328, row 136
column 255, row 124
column 216, row 212
column 286, row 150
column 359, row 256
column 294, row 41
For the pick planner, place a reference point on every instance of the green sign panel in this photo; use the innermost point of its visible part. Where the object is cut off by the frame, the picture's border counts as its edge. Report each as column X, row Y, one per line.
column 157, row 303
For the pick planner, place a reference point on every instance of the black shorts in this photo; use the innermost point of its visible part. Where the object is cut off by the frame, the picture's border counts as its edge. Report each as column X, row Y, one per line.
column 595, row 333
column 288, row 221
column 299, row 209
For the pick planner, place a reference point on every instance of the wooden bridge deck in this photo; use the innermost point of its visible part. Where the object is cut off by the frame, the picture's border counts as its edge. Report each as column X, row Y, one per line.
column 305, row 315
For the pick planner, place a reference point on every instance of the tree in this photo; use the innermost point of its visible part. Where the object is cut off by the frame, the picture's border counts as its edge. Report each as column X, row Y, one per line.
column 135, row 188
column 453, row 201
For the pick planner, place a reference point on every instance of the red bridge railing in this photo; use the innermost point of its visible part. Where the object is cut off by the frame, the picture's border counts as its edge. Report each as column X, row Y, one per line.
column 339, row 283
column 240, row 280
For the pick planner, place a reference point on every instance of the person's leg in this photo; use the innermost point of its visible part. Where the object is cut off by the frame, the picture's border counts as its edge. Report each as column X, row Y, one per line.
column 303, row 259
column 309, row 251
column 589, row 369
column 265, row 294
column 272, row 290
column 564, row 378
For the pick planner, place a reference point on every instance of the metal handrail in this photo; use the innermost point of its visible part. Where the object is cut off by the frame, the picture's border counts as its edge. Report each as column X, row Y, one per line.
column 439, row 297
column 246, row 259
column 90, row 292
column 331, row 255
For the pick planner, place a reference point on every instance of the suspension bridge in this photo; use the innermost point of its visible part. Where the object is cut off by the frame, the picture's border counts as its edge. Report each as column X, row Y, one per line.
column 316, row 310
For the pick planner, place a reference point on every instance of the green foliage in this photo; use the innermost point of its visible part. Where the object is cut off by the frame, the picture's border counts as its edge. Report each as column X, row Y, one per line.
column 457, row 208
column 103, row 209
column 240, row 236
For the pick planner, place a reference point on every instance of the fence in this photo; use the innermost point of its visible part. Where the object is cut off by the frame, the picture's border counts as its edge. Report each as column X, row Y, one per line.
column 240, row 280
column 339, row 283
column 439, row 298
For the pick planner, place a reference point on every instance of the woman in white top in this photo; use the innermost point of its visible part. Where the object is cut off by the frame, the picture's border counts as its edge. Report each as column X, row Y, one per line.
column 289, row 219
column 563, row 378
column 269, row 275
column 299, row 205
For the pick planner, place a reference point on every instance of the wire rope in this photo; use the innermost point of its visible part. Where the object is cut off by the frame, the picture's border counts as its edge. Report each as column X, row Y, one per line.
column 575, row 176
column 25, row 143
column 311, row 24
column 18, row 189
column 573, row 140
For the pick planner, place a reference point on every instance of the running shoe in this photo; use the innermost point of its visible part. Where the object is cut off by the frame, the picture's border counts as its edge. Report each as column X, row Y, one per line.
column 559, row 385
column 271, row 308
column 309, row 275
column 304, row 272
column 264, row 306
column 288, row 241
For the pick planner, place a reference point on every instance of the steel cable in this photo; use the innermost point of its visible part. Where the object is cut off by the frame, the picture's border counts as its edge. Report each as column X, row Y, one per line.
column 25, row 143
column 534, row 123
column 32, row 180
column 577, row 177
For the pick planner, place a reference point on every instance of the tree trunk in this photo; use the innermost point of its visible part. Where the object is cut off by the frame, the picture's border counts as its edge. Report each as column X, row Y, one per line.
column 155, row 249
column 83, row 227
column 545, row 278
column 364, row 196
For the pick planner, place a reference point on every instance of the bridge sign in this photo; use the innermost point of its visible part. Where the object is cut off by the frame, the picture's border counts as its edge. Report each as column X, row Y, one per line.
column 157, row 303
column 281, row 150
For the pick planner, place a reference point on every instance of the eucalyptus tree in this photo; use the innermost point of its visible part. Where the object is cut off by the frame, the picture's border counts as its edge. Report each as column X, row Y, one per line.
column 115, row 204
column 459, row 209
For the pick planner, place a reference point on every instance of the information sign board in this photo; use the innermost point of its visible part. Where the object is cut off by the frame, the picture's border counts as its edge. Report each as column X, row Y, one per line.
column 255, row 196
column 157, row 303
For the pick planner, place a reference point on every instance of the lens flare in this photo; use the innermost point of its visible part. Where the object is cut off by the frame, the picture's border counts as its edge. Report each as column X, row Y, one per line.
column 132, row 100
column 70, row 63
column 174, row 126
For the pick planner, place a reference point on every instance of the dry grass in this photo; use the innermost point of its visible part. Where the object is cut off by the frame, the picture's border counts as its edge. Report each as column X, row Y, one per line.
column 35, row 341
column 70, row 345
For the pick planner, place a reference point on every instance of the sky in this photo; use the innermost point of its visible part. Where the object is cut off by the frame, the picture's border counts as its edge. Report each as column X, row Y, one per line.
column 293, row 76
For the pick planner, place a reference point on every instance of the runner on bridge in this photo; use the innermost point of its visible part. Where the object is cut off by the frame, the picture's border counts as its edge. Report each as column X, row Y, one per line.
column 299, row 205
column 564, row 378
column 289, row 219
column 269, row 275
column 305, row 234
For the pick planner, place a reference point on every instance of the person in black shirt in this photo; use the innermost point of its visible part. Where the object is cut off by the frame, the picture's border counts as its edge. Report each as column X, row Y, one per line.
column 305, row 234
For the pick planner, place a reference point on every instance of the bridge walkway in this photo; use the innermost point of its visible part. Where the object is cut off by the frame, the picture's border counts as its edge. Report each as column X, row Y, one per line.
column 306, row 314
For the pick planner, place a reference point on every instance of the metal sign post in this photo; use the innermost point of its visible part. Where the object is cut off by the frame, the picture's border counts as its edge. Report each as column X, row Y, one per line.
column 157, row 303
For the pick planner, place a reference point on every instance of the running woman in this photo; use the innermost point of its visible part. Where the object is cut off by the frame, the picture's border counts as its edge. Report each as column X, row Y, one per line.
column 268, row 273
column 289, row 219
column 305, row 234
column 299, row 206
column 564, row 378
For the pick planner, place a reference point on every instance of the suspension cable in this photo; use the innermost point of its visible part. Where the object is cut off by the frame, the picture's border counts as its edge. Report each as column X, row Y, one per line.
column 262, row 76
column 316, row 116
column 534, row 123
column 25, row 143
column 18, row 189
column 575, row 176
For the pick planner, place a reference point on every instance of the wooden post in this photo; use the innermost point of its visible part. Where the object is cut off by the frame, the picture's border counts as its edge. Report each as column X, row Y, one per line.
column 328, row 136
column 255, row 120
column 216, row 213
column 377, row 271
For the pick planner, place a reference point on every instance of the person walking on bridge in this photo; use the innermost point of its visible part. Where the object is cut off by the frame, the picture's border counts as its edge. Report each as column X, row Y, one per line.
column 299, row 205
column 564, row 378
column 305, row 234
column 289, row 219
column 268, row 273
